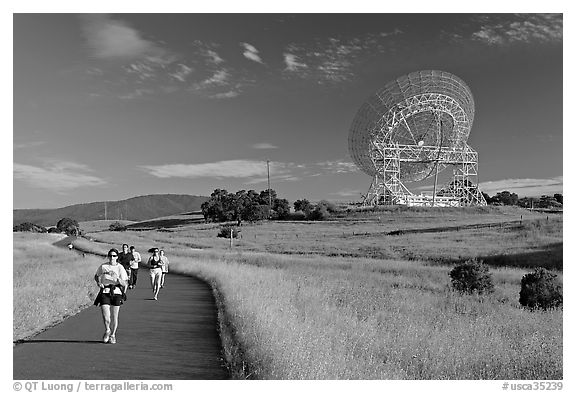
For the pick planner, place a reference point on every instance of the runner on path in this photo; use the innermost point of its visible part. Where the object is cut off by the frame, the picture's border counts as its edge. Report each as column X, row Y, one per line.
column 125, row 259
column 134, row 264
column 155, row 265
column 164, row 268
column 112, row 279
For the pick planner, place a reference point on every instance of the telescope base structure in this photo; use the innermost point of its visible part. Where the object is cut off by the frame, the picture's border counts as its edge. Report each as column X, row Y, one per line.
column 388, row 189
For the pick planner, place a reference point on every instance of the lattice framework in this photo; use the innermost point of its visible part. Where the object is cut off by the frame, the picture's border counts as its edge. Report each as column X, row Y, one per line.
column 414, row 127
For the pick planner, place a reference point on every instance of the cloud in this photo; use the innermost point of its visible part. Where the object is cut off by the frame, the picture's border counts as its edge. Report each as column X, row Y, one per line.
column 182, row 72
column 108, row 38
column 229, row 168
column 524, row 187
column 347, row 193
column 331, row 60
column 27, row 145
column 57, row 176
column 264, row 146
column 338, row 166
column 219, row 78
column 251, row 53
column 228, row 94
column 213, row 57
column 137, row 93
column 520, row 28
column 292, row 63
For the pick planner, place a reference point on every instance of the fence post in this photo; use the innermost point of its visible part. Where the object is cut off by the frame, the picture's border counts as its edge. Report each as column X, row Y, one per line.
column 231, row 232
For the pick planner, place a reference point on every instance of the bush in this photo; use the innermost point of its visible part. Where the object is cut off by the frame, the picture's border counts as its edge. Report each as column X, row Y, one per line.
column 29, row 227
column 69, row 226
column 319, row 213
column 540, row 289
column 472, row 276
column 117, row 226
column 225, row 231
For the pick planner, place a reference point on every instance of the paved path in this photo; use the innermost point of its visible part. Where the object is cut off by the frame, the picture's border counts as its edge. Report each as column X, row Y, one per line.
column 172, row 338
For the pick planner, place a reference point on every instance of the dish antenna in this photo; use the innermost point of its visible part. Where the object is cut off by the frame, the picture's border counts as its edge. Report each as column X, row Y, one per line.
column 412, row 129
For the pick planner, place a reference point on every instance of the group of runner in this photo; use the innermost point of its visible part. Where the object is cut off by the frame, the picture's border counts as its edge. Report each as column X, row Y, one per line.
column 119, row 274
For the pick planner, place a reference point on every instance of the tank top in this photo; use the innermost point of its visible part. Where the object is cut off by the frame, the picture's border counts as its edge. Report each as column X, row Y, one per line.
column 153, row 263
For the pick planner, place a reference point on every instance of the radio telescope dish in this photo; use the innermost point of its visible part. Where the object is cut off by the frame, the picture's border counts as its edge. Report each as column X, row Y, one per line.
column 410, row 130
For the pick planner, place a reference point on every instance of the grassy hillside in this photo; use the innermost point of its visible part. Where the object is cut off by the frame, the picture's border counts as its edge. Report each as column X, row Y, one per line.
column 356, row 303
column 343, row 300
column 134, row 209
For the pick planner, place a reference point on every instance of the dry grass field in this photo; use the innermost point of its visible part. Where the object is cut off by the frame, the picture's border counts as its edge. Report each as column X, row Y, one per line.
column 50, row 283
column 343, row 300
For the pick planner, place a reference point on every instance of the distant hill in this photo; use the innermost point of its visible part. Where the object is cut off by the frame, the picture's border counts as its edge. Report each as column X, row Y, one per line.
column 134, row 209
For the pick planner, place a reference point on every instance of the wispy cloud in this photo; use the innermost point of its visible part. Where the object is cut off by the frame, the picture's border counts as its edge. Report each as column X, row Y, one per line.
column 28, row 145
column 264, row 145
column 338, row 166
column 524, row 187
column 332, row 60
column 137, row 93
column 229, row 168
column 57, row 176
column 228, row 94
column 109, row 38
column 292, row 62
column 349, row 193
column 214, row 57
column 251, row 53
column 519, row 28
column 182, row 72
column 251, row 171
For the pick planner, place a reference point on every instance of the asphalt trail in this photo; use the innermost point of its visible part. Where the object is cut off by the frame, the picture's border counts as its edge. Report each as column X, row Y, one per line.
column 172, row 338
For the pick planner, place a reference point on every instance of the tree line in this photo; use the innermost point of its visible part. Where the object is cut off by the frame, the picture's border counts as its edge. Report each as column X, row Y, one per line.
column 511, row 199
column 252, row 206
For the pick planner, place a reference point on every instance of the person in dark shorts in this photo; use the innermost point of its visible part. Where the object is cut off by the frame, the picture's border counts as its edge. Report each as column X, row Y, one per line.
column 112, row 279
column 134, row 264
column 125, row 258
column 155, row 265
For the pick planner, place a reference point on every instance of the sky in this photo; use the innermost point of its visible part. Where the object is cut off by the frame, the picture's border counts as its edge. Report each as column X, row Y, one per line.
column 112, row 106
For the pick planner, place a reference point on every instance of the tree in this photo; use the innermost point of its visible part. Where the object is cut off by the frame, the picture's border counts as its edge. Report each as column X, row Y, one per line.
column 548, row 202
column 559, row 198
column 69, row 226
column 506, row 198
column 528, row 202
column 281, row 208
column 303, row 205
column 487, row 198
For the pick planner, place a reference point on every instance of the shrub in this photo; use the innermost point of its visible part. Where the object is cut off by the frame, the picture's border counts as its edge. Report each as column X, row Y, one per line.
column 540, row 289
column 225, row 231
column 69, row 226
column 319, row 213
column 117, row 226
column 472, row 276
column 29, row 227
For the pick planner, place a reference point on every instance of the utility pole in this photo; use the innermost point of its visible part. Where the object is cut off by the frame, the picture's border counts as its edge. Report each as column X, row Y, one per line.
column 105, row 212
column 435, row 182
column 269, row 193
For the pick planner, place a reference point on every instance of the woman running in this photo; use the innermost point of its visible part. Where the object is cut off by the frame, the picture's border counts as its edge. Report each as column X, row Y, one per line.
column 112, row 279
column 164, row 268
column 155, row 264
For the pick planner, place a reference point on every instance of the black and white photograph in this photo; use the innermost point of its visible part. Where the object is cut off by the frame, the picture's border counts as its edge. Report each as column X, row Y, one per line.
column 289, row 196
